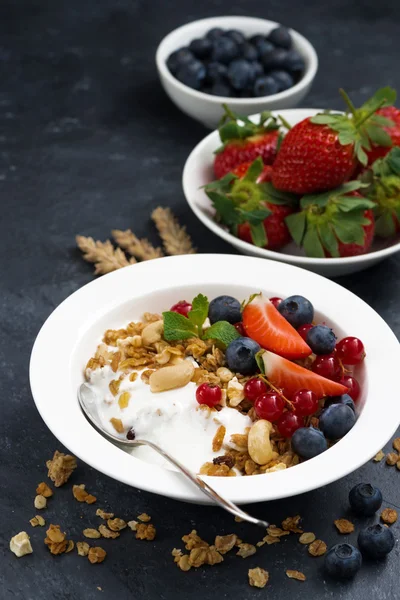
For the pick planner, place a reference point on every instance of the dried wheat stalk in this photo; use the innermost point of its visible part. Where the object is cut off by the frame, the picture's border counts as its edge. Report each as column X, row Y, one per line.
column 175, row 238
column 105, row 257
column 141, row 249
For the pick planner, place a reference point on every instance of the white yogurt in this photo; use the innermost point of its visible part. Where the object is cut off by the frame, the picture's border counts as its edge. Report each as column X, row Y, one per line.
column 171, row 419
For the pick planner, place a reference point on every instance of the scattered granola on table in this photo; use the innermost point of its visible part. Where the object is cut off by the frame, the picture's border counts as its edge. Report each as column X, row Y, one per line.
column 96, row 555
column 44, row 490
column 344, row 526
column 258, row 577
column 145, row 531
column 61, row 467
column 307, row 537
column 56, row 540
column 392, row 458
column 389, row 516
column 379, row 456
column 295, row 575
column 317, row 548
column 37, row 520
column 20, row 544
column 82, row 548
column 80, row 494
column 40, row 502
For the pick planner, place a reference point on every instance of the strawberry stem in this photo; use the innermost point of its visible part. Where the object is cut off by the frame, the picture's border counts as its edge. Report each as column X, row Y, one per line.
column 284, row 122
column 348, row 102
column 371, row 112
column 228, row 112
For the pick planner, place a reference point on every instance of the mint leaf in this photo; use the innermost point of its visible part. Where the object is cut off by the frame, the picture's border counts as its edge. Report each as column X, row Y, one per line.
column 177, row 327
column 199, row 312
column 222, row 331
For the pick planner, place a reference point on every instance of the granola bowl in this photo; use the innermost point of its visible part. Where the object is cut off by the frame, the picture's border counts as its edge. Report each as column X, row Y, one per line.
column 108, row 304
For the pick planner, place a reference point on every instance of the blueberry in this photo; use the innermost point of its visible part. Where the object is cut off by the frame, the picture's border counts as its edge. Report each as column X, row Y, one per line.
column 297, row 310
column 343, row 561
column 336, row 420
column 258, row 69
column 215, row 33
column 240, row 74
column 294, row 62
column 321, row 339
column 265, row 86
column 224, row 50
column 344, row 399
column 376, row 541
column 249, row 52
column 220, row 88
column 216, row 72
column 280, row 36
column 201, row 47
column 256, row 39
column 308, row 442
column 240, row 355
column 275, row 59
column 236, row 36
column 178, row 58
column 283, row 79
column 225, row 308
column 365, row 499
column 265, row 48
column 192, row 74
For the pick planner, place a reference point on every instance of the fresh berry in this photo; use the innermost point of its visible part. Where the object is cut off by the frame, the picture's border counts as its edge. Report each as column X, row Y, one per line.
column 240, row 329
column 220, row 88
column 242, row 169
column 336, row 420
column 265, row 86
column 290, row 377
column 305, row 403
column 343, row 561
column 240, row 74
column 236, row 36
column 308, row 442
column 294, row 62
column 327, row 365
column 264, row 323
column 350, row 350
column 275, row 228
column 353, row 387
column 182, row 307
column 321, row 339
column 365, row 499
column 304, row 329
column 280, row 36
column 208, row 394
column 264, row 47
column 253, row 388
column 314, row 156
column 215, row 33
column 249, row 52
column 224, row 50
column 274, row 59
column 192, row 74
column 216, row 72
column 224, row 308
column 343, row 399
column 275, row 301
column 240, row 355
column 297, row 310
column 393, row 131
column 177, row 59
column 269, row 406
column 244, row 143
column 376, row 541
column 289, row 423
column 201, row 47
column 283, row 79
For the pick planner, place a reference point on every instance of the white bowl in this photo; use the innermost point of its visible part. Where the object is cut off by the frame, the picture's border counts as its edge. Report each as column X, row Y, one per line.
column 72, row 332
column 208, row 109
column 198, row 171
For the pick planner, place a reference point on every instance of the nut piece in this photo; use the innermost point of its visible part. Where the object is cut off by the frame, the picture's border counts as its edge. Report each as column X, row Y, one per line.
column 133, row 525
column 37, row 520
column 259, row 444
column 258, row 577
column 317, row 548
column 344, row 526
column 184, row 563
column 40, row 502
column 235, row 392
column 61, row 467
column 307, row 538
column 152, row 333
column 44, row 490
column 295, row 575
column 389, row 516
column 170, row 378
column 92, row 534
column 20, row 544
column 82, row 548
column 392, row 458
column 144, row 517
column 96, row 555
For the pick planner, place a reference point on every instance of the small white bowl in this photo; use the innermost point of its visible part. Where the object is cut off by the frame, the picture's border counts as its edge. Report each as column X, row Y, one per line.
column 198, row 171
column 208, row 109
column 74, row 329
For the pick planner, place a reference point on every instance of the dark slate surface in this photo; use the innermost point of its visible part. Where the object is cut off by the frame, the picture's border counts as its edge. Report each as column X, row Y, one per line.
column 89, row 142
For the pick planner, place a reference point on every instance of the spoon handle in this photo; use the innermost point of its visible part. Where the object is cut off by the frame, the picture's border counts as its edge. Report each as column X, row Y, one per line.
column 203, row 486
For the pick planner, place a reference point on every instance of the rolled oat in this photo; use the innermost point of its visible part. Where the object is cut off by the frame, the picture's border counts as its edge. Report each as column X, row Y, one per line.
column 258, row 577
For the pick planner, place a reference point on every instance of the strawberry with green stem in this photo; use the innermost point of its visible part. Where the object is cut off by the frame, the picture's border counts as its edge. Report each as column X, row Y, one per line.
column 250, row 207
column 335, row 224
column 378, row 151
column 243, row 141
column 322, row 152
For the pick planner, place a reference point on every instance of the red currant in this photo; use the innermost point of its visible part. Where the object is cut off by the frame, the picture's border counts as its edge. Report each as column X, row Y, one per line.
column 305, row 403
column 182, row 307
column 240, row 328
column 269, row 406
column 289, row 423
column 275, row 301
column 208, row 394
column 353, row 385
column 350, row 350
column 253, row 388
column 304, row 329
column 327, row 365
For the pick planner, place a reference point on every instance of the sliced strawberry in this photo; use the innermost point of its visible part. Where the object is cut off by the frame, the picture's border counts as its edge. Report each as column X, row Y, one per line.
column 291, row 378
column 265, row 324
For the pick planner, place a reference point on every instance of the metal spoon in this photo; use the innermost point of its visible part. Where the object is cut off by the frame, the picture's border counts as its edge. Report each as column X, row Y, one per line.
column 87, row 401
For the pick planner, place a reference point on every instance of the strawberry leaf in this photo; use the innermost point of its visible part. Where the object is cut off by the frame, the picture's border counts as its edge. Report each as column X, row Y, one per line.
column 277, row 197
column 225, row 208
column 387, row 95
column 296, row 224
column 350, row 203
column 385, row 226
column 255, row 170
column 378, row 136
column 360, row 154
column 312, row 244
column 328, row 239
column 324, row 119
column 393, row 160
column 348, row 232
column 320, row 200
column 258, row 235
column 254, row 216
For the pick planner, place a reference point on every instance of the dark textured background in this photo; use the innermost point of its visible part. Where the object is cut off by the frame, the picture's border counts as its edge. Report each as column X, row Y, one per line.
column 89, row 142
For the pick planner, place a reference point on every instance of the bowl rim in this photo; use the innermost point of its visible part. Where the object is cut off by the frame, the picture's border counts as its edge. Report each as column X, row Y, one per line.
column 301, row 261
column 306, row 80
column 74, row 317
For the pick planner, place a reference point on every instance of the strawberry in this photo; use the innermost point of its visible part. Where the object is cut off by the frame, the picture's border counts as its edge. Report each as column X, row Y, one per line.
column 291, row 377
column 265, row 324
column 392, row 114
column 384, row 190
column 250, row 207
column 337, row 223
column 245, row 142
column 322, row 152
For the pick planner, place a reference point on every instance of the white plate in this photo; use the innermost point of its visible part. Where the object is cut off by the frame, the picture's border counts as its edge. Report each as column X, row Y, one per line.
column 198, row 171
column 71, row 334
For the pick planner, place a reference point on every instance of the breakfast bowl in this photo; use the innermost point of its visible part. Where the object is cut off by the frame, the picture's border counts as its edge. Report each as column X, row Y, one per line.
column 76, row 327
column 207, row 108
column 198, row 171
